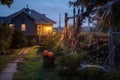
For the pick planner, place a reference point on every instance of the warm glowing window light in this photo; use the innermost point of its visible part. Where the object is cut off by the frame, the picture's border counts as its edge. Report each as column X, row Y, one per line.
column 48, row 28
column 23, row 27
column 11, row 26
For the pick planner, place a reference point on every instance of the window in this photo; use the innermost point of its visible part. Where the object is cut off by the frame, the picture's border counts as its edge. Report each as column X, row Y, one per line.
column 11, row 26
column 23, row 27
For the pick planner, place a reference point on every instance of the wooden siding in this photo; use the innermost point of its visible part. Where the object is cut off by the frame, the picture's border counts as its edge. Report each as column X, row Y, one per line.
column 28, row 21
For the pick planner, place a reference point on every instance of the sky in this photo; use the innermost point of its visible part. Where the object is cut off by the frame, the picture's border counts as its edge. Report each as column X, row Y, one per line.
column 52, row 8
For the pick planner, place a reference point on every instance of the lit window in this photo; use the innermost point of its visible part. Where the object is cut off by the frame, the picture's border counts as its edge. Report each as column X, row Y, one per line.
column 48, row 29
column 23, row 27
column 11, row 26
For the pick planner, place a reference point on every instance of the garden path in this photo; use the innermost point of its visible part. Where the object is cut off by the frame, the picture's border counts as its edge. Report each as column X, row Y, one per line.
column 11, row 68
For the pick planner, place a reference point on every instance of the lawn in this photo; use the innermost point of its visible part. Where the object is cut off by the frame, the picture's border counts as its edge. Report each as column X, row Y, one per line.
column 5, row 59
column 32, row 67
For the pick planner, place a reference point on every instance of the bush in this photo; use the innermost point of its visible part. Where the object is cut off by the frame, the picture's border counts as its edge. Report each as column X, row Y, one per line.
column 58, row 49
column 5, row 39
column 112, row 76
column 49, row 42
column 70, row 63
column 18, row 39
column 32, row 42
column 91, row 74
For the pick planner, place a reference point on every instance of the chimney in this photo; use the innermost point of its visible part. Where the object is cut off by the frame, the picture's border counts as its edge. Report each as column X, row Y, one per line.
column 27, row 9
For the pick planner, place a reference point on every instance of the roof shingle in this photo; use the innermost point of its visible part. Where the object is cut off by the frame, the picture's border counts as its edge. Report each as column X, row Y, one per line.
column 39, row 18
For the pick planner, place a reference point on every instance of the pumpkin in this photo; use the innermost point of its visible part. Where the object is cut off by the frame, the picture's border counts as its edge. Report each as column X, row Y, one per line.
column 50, row 54
column 45, row 53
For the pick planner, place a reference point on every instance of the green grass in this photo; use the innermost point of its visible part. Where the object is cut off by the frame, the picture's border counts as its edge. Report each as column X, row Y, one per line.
column 31, row 64
column 5, row 59
column 32, row 68
column 49, row 73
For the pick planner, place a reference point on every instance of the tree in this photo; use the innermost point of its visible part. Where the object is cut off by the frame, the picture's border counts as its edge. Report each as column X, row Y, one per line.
column 18, row 39
column 100, row 28
column 107, row 13
column 6, row 2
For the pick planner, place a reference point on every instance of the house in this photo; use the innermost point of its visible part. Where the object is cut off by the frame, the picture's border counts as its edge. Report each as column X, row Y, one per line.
column 30, row 22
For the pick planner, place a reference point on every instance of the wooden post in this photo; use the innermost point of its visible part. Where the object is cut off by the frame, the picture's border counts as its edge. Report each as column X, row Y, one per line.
column 65, row 30
column 78, row 11
column 74, row 11
column 82, row 10
column 66, row 21
column 78, row 19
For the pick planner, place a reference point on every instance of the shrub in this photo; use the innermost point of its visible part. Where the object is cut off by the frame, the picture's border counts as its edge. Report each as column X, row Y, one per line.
column 91, row 74
column 70, row 63
column 18, row 39
column 112, row 76
column 49, row 42
column 5, row 39
column 58, row 49
column 31, row 42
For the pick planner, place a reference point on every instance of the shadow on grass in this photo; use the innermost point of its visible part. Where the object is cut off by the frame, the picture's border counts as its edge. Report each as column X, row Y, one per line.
column 48, row 73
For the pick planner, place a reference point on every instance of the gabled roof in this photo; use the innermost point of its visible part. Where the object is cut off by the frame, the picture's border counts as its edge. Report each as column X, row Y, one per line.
column 3, row 20
column 39, row 18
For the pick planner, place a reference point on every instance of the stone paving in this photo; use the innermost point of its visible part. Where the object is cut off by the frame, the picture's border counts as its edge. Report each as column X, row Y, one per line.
column 11, row 68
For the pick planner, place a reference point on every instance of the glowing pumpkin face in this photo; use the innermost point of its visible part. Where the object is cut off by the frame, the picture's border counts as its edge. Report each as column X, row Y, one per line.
column 45, row 53
column 50, row 54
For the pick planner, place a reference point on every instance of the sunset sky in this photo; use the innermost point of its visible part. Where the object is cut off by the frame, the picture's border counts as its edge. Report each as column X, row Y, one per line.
column 51, row 8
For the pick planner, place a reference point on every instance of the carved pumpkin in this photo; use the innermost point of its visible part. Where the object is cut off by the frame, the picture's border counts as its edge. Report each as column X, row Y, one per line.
column 50, row 54
column 45, row 53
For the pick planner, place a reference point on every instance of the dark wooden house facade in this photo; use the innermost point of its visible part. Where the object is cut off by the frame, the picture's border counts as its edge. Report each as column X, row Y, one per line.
column 30, row 22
